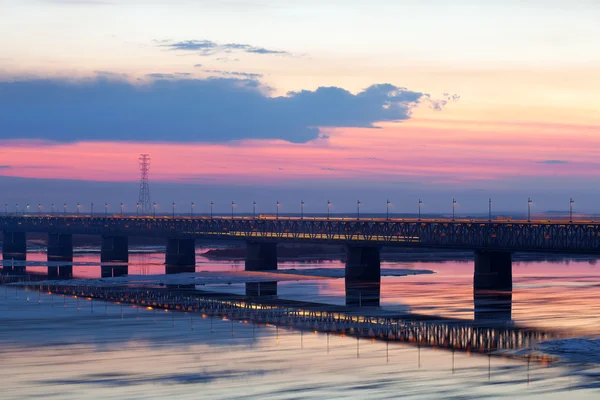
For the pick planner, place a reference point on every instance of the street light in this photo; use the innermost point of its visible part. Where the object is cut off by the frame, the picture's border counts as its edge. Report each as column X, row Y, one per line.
column 571, row 201
column 529, row 210
column 490, row 210
column 52, row 208
column 211, row 209
column 5, row 208
column 137, row 209
column 328, row 208
column 357, row 209
column 17, row 209
column 232, row 205
column 39, row 208
column 65, row 208
column 173, row 209
column 277, row 210
column 106, row 209
column 121, row 209
column 301, row 209
column 453, row 206
column 387, row 209
column 78, row 205
column 27, row 208
column 92, row 209
column 420, row 202
column 154, row 209
column 253, row 208
column 192, row 206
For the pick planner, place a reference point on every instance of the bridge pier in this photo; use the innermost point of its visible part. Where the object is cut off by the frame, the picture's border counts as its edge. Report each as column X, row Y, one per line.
column 14, row 252
column 60, row 247
column 181, row 253
column 14, row 246
column 261, row 256
column 114, row 249
column 493, row 271
column 363, row 276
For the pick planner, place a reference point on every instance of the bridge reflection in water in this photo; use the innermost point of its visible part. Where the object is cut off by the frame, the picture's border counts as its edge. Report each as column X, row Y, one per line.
column 488, row 333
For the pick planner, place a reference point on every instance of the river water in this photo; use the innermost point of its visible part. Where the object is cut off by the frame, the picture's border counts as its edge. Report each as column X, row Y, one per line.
column 60, row 347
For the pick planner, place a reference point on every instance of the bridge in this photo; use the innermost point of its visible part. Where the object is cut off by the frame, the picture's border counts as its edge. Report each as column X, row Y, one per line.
column 493, row 241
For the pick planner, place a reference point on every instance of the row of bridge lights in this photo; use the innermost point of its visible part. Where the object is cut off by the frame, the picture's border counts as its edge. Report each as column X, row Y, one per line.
column 277, row 205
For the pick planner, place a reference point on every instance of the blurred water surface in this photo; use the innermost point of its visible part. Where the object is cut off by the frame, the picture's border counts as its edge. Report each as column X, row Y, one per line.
column 65, row 348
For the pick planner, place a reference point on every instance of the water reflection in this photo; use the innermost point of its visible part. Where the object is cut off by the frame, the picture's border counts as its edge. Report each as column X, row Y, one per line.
column 261, row 289
column 104, row 350
column 493, row 306
column 178, row 269
column 60, row 271
column 111, row 270
column 362, row 294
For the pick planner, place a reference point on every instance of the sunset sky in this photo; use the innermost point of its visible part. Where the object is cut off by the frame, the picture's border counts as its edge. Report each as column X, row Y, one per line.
column 286, row 100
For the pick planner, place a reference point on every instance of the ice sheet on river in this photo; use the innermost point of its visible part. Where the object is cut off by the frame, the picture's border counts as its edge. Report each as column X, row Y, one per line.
column 226, row 277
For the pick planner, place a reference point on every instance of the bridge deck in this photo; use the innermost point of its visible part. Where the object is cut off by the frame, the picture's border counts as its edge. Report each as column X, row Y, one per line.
column 496, row 235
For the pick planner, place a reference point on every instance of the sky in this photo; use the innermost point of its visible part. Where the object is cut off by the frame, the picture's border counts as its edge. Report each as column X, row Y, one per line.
column 308, row 100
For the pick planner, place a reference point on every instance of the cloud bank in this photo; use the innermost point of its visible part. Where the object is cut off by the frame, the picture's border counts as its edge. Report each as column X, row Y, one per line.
column 209, row 48
column 188, row 110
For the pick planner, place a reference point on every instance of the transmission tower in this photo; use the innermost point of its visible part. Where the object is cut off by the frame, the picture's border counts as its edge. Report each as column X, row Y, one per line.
column 144, row 200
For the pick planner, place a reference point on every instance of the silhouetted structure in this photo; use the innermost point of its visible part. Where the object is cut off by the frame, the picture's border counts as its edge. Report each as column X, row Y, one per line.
column 144, row 199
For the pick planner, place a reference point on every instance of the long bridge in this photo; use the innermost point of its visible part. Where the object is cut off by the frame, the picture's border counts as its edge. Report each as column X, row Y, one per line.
column 492, row 241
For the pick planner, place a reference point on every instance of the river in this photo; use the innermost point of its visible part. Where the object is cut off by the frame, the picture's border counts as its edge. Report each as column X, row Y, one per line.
column 57, row 347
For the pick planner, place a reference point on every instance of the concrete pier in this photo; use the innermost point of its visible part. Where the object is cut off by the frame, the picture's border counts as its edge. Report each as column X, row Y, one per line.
column 114, row 249
column 493, row 271
column 363, row 276
column 261, row 256
column 14, row 252
column 14, row 246
column 60, row 247
column 180, row 253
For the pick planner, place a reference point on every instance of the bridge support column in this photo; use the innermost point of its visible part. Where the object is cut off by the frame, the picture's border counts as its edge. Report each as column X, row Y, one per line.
column 363, row 276
column 261, row 256
column 180, row 255
column 14, row 246
column 114, row 249
column 14, row 252
column 60, row 247
column 493, row 271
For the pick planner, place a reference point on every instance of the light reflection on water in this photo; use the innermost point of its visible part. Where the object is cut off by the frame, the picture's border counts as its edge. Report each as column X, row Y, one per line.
column 62, row 348
column 57, row 351
column 557, row 295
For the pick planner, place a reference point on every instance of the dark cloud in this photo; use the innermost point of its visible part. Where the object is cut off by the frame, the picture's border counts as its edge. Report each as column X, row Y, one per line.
column 188, row 110
column 208, row 47
column 5, row 166
column 198, row 65
column 551, row 162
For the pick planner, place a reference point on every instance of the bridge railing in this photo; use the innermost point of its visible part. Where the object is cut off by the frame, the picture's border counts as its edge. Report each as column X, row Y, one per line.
column 509, row 236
